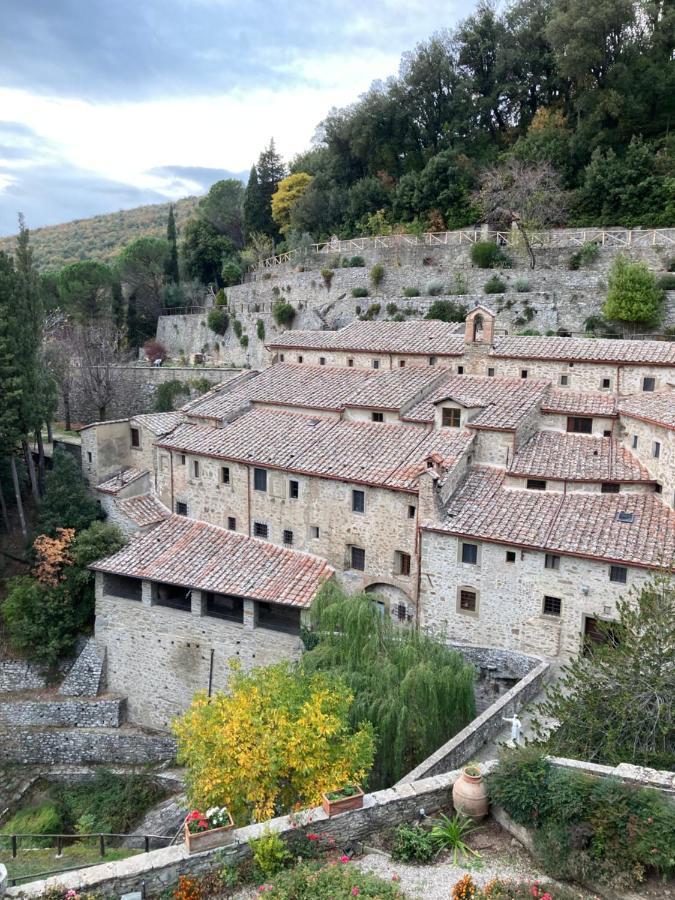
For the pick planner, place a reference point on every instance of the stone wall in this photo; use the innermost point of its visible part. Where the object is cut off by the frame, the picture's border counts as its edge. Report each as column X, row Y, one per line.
column 69, row 746
column 639, row 437
column 104, row 712
column 21, row 675
column 84, row 678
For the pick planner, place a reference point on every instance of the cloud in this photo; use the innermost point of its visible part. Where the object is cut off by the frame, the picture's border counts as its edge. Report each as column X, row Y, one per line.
column 193, row 179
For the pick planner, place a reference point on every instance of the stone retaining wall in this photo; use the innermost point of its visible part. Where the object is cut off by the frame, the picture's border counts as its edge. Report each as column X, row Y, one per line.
column 69, row 746
column 100, row 713
column 20, row 675
column 505, row 663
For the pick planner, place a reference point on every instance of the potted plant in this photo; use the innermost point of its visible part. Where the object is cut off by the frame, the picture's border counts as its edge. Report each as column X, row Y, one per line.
column 204, row 831
column 469, row 795
column 346, row 798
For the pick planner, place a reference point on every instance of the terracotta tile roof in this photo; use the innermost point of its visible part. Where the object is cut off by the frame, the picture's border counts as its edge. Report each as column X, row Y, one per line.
column 218, row 395
column 159, row 423
column 576, row 457
column 394, row 388
column 578, row 523
column 414, row 337
column 385, row 455
column 504, row 402
column 318, row 387
column 579, row 403
column 655, row 353
column 122, row 479
column 657, row 407
column 145, row 509
column 194, row 554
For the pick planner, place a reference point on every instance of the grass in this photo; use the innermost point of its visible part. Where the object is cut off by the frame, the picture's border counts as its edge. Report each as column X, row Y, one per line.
column 30, row 863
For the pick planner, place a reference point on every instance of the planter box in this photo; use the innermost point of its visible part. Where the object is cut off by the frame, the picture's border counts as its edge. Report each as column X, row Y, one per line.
column 207, row 840
column 344, row 804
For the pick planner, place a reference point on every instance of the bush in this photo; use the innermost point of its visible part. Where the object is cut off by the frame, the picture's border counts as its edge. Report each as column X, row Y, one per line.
column 459, row 284
column 313, row 881
column 434, row 288
column 270, row 854
column 446, row 311
column 412, row 843
column 67, row 502
column 109, row 803
column 377, row 274
column 154, row 350
column 356, row 262
column 359, row 292
column 167, row 393
column 671, row 264
column 633, row 296
column 283, row 313
column 231, row 272
column 220, row 298
column 260, row 329
column 588, row 253
column 392, row 309
column 522, row 286
column 43, row 819
column 218, row 320
column 238, row 328
column 494, row 285
column 327, row 275
column 666, row 282
column 243, row 340
column 200, row 385
column 487, row 255
column 411, row 292
column 372, row 312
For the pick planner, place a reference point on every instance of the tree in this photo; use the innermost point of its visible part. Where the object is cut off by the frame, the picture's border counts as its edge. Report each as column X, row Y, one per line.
column 67, row 502
column 204, row 250
column 141, row 266
column 85, row 290
column 10, row 382
column 99, row 359
column 414, row 691
column 262, row 184
column 617, row 703
column 260, row 247
column 447, row 311
column 154, row 350
column 288, row 192
column 172, row 275
column 58, row 357
column 274, row 742
column 223, row 209
column 633, row 296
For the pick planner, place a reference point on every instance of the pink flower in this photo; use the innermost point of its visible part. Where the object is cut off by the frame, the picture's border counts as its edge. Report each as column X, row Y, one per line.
column 355, row 892
column 395, row 877
column 344, row 858
column 535, row 890
column 546, row 896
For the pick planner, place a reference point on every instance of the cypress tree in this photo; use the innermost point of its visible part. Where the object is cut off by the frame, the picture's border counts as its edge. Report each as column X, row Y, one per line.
column 262, row 183
column 254, row 218
column 171, row 265
column 10, row 380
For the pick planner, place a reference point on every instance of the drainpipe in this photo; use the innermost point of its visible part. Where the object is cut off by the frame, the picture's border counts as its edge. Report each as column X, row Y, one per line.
column 173, row 505
column 248, row 500
column 418, row 558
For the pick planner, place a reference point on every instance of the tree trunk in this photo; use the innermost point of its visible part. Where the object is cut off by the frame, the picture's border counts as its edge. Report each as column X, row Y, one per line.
column 50, row 433
column 41, row 461
column 533, row 260
column 30, row 465
column 101, row 413
column 19, row 501
column 3, row 510
column 66, row 409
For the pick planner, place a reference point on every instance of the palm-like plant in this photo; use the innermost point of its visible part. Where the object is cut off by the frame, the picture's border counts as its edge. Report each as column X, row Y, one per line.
column 450, row 833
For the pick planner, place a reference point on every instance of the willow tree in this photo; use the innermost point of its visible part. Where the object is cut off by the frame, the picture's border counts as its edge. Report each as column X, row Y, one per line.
column 415, row 691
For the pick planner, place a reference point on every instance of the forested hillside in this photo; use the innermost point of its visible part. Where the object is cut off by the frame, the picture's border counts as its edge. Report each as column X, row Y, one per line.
column 102, row 237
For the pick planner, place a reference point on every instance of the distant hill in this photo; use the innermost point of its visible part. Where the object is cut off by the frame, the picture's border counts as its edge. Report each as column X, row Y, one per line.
column 101, row 237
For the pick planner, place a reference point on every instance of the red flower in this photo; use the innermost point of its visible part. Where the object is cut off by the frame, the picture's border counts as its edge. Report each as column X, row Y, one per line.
column 344, row 858
column 312, row 837
column 546, row 896
column 355, row 892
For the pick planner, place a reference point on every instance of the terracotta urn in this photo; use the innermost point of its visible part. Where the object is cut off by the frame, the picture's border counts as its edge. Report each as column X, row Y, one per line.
column 469, row 795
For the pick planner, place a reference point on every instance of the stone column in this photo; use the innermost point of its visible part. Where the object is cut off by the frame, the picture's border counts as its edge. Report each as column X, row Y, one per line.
column 198, row 607
column 249, row 614
column 146, row 593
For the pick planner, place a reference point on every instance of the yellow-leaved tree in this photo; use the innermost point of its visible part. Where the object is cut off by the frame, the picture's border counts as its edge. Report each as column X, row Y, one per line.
column 273, row 743
column 288, row 192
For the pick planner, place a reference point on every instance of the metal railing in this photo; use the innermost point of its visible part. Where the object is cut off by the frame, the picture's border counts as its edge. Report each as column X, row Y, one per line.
column 182, row 310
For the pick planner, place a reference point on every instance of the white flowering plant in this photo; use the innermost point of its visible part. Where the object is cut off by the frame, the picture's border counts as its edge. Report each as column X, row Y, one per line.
column 218, row 816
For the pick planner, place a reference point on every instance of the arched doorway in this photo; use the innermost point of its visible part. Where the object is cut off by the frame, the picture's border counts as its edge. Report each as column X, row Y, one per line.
column 392, row 600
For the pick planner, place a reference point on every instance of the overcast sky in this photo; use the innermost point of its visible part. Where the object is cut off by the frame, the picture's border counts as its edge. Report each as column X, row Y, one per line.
column 106, row 104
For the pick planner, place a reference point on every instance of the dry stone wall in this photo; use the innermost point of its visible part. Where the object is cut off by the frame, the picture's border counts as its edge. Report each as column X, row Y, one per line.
column 83, row 746
column 104, row 712
column 21, row 675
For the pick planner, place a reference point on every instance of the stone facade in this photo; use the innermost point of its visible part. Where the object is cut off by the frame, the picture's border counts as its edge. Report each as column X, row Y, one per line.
column 82, row 746
column 84, row 678
column 641, row 439
column 104, row 712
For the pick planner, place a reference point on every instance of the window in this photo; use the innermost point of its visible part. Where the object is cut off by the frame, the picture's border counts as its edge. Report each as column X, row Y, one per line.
column 467, row 601
column 260, row 479
column 470, row 553
column 510, row 556
column 412, row 511
column 182, row 459
column 225, row 606
column 523, row 373
column 300, row 357
column 288, row 537
column 618, row 574
column 314, row 531
column 536, row 484
column 231, row 523
column 293, row 489
column 195, row 468
column 278, row 617
column 350, row 363
column 358, row 558
column 261, row 530
column 648, row 384
column 376, row 364
column 181, row 508
column 460, row 370
column 551, row 561
column 609, row 487
column 491, row 373
column 401, row 612
column 656, row 449
column 607, row 433
column 625, row 517
column 122, row 586
column 322, row 360
column 606, row 384
column 225, row 474
column 658, row 488
column 172, row 596
column 552, row 606
column 377, row 417
column 402, row 563
column 451, row 418
column 281, row 357
column 635, row 442
column 432, row 360
column 358, row 501
column 135, row 437
column 401, row 364
column 564, row 380
column 579, row 425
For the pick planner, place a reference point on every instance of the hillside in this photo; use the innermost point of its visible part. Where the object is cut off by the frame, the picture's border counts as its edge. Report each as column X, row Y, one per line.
column 101, row 237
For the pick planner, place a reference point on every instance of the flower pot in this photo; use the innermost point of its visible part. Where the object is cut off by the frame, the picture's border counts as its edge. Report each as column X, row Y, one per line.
column 343, row 804
column 469, row 795
column 207, row 840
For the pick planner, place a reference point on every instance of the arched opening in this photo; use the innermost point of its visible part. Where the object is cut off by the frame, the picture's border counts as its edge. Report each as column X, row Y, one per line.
column 391, row 600
column 478, row 327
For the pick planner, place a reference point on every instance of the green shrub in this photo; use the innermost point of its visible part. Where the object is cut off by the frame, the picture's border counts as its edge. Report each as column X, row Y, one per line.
column 399, row 317
column 633, row 296
column 43, row 819
column 218, row 320
column 412, row 843
column 451, row 834
column 283, row 313
column 392, row 309
column 487, row 255
column 67, row 502
column 111, row 803
column 220, row 298
column 522, row 286
column 200, row 385
column 411, row 292
column 494, row 285
column 459, row 284
column 327, row 275
column 446, row 311
column 243, row 340
column 231, row 272
column 434, row 288
column 270, row 854
column 313, row 881
column 671, row 264
column 666, row 282
column 359, row 292
column 167, row 393
column 238, row 328
column 377, row 274
column 260, row 329
column 356, row 262
column 372, row 312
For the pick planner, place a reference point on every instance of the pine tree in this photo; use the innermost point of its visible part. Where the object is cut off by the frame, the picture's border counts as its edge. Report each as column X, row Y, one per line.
column 269, row 172
column 171, row 267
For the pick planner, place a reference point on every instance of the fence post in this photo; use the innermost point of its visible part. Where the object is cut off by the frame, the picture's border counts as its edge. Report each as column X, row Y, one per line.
column 101, row 844
column 13, row 846
column 146, row 841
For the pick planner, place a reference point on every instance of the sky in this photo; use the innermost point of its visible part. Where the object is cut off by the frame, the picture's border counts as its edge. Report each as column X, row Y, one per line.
column 108, row 104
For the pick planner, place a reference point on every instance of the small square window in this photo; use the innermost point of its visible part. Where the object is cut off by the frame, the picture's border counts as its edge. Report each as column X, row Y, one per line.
column 467, row 601
column 618, row 574
column 402, row 563
column 536, row 484
column 432, row 360
column 648, row 384
column 181, row 508
column 564, row 380
column 401, row 364
column 460, row 370
column 609, row 487
column 376, row 364
column 350, row 363
column 510, row 556
column 658, row 488
column 300, row 357
column 182, row 459
column 377, row 417
column 260, row 479
column 491, row 373
column 231, row 523
column 551, row 561
column 523, row 373
column 224, row 474
column 634, row 442
column 135, row 437
column 656, row 449
column 606, row 384
column 470, row 553
column 293, row 489
column 288, row 537
column 358, row 501
column 358, row 558
column 314, row 532
column 260, row 530
column 322, row 360
column 412, row 510
column 281, row 357
column 607, row 433
column 452, row 418
column 195, row 468
column 552, row 606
